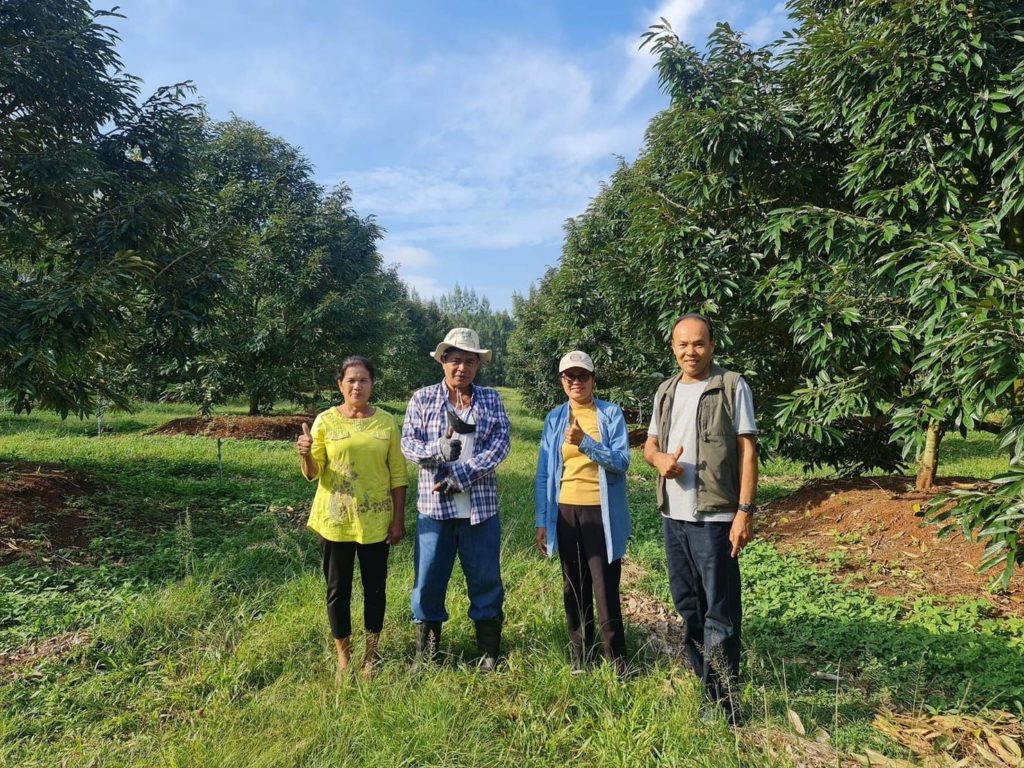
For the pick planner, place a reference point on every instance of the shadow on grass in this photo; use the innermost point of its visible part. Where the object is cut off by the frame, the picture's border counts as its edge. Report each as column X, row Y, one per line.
column 800, row 628
column 887, row 651
column 798, row 625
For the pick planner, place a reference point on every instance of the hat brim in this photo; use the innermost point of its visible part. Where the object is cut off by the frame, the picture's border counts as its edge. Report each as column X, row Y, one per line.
column 570, row 366
column 444, row 346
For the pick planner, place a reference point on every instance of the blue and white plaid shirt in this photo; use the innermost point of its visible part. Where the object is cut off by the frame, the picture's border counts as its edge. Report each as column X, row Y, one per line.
column 426, row 422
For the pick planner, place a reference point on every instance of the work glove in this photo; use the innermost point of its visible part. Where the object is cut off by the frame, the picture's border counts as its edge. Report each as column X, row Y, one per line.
column 450, row 448
column 443, row 482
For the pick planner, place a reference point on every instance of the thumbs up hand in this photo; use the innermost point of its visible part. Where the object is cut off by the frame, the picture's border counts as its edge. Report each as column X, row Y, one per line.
column 668, row 465
column 574, row 434
column 305, row 441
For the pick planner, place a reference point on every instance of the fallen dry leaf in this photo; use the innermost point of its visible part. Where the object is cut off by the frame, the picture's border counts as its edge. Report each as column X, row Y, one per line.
column 796, row 722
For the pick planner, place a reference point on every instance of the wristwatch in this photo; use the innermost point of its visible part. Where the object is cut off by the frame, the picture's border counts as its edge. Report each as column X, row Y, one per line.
column 750, row 509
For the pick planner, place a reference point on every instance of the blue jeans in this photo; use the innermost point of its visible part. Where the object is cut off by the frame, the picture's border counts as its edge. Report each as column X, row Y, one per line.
column 705, row 583
column 437, row 543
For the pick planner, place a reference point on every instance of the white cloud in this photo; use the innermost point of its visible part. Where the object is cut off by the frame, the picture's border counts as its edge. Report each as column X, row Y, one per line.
column 469, row 140
column 406, row 256
column 408, row 191
column 640, row 67
column 768, row 27
column 516, row 140
column 427, row 287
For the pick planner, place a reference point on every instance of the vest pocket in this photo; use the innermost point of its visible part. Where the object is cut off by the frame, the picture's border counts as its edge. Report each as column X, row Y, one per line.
column 718, row 480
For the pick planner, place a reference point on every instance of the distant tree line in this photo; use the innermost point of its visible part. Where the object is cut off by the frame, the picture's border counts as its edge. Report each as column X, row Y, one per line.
column 147, row 251
column 847, row 205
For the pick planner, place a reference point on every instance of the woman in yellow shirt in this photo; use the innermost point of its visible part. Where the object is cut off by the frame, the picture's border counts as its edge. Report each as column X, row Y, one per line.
column 354, row 451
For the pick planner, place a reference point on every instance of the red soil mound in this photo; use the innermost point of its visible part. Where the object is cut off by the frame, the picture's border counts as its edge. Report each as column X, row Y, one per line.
column 38, row 513
column 869, row 532
column 238, row 427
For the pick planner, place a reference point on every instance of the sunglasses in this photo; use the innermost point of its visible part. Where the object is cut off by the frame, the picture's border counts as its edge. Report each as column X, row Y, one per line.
column 581, row 377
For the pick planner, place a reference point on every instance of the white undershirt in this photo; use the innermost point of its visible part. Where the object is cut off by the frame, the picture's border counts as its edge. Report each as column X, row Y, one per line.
column 462, row 503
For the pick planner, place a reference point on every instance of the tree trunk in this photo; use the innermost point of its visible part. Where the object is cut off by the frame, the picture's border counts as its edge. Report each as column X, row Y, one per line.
column 254, row 404
column 928, row 465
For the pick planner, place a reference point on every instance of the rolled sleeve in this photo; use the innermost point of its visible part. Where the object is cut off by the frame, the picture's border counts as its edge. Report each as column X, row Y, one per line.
column 613, row 452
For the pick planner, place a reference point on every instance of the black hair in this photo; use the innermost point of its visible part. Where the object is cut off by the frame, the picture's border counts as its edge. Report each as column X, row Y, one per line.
column 444, row 355
column 695, row 316
column 351, row 360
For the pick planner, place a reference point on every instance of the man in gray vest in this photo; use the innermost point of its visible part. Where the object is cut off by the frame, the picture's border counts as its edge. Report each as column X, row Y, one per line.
column 703, row 442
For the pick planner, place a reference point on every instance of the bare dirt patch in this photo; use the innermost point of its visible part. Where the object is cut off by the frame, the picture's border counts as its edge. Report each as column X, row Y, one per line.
column 637, row 437
column 50, row 648
column 40, row 514
column 868, row 531
column 663, row 628
column 238, row 427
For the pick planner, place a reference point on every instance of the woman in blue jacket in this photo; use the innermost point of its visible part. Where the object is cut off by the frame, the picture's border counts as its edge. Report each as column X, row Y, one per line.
column 581, row 511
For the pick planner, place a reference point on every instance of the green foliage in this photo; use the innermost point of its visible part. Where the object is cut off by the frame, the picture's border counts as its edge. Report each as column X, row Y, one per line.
column 993, row 517
column 847, row 206
column 907, row 289
column 96, row 195
column 146, row 252
column 307, row 286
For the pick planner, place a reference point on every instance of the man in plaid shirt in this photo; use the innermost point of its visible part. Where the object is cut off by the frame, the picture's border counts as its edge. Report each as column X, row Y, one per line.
column 458, row 433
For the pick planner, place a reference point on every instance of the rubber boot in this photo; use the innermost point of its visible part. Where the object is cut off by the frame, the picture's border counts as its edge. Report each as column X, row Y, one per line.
column 488, row 642
column 428, row 644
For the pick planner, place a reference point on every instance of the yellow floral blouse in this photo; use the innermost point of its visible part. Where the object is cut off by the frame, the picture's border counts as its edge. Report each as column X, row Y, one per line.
column 359, row 462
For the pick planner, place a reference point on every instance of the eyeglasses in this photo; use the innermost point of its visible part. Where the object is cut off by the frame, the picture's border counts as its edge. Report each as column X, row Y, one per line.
column 581, row 377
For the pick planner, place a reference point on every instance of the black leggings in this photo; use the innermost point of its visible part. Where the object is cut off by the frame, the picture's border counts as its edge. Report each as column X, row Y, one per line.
column 588, row 577
column 339, row 561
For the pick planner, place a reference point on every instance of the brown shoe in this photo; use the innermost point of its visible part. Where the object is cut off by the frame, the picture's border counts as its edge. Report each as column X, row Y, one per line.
column 371, row 657
column 344, row 649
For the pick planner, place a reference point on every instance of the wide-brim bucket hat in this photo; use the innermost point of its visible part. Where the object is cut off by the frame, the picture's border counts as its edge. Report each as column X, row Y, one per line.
column 465, row 339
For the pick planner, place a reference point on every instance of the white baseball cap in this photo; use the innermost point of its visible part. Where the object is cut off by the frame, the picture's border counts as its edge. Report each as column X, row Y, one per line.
column 465, row 339
column 576, row 359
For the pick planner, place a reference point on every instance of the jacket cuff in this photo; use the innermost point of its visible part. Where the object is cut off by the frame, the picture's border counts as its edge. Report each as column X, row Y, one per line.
column 460, row 474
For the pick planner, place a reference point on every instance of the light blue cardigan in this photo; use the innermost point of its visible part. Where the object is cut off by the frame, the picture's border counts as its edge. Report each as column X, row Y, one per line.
column 612, row 458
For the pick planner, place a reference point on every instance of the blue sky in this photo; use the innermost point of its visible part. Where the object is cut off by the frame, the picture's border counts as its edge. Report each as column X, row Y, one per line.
column 471, row 130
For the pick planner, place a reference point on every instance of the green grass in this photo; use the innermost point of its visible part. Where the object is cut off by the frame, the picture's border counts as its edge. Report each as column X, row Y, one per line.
column 211, row 646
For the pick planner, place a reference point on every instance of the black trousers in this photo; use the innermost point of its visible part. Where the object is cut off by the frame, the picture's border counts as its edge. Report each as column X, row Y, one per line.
column 588, row 577
column 339, row 563
column 704, row 580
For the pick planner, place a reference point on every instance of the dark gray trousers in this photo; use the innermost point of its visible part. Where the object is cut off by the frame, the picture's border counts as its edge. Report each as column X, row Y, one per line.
column 588, row 577
column 705, row 583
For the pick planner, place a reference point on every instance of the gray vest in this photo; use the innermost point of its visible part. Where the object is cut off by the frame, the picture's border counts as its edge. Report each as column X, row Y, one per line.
column 717, row 461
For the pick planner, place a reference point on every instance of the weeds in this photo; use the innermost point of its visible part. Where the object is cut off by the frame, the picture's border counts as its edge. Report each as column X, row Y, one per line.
column 210, row 645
